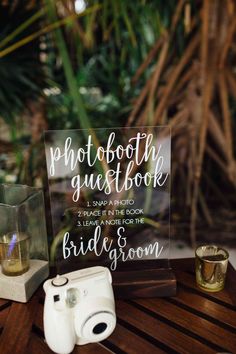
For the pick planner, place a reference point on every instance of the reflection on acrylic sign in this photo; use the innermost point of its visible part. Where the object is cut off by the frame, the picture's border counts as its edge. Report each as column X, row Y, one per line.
column 109, row 191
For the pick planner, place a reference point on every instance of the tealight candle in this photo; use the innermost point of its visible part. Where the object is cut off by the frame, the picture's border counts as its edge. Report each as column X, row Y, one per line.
column 14, row 253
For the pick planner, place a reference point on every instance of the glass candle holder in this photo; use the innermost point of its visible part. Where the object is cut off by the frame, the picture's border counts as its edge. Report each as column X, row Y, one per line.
column 23, row 233
column 14, row 251
column 23, row 241
column 211, row 266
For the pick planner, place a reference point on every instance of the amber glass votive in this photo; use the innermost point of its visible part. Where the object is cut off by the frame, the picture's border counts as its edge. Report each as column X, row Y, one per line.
column 14, row 251
column 211, row 266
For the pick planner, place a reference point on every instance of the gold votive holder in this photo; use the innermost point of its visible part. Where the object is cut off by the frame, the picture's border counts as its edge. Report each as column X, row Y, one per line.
column 211, row 265
column 14, row 253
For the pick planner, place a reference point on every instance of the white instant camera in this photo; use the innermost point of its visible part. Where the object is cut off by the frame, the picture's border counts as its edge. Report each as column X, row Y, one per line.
column 79, row 308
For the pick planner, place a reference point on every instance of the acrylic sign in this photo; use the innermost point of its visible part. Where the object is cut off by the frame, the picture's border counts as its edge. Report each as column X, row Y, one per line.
column 109, row 191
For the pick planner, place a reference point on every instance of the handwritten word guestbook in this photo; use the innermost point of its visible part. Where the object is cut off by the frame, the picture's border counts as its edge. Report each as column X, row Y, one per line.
column 109, row 191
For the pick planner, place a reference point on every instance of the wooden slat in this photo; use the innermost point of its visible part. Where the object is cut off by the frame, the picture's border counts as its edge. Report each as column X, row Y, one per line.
column 185, row 268
column 174, row 339
column 132, row 343
column 3, row 315
column 17, row 328
column 189, row 281
column 197, row 325
column 92, row 348
column 38, row 321
column 145, row 283
column 37, row 345
column 206, row 307
column 3, row 302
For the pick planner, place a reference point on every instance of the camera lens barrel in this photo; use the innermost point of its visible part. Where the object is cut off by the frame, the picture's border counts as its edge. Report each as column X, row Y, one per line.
column 98, row 326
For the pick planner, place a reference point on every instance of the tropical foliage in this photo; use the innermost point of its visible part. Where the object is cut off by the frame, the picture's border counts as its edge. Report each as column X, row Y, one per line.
column 129, row 63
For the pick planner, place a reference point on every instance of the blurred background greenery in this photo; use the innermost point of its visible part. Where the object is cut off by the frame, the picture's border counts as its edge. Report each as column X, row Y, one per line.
column 68, row 64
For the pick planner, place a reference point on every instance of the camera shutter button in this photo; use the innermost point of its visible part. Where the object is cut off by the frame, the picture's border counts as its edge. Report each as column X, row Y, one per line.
column 59, row 281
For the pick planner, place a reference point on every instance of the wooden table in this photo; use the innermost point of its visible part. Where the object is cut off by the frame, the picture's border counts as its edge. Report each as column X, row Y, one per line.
column 192, row 322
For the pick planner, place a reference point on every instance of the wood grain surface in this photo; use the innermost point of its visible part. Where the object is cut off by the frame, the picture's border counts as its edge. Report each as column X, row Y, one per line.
column 193, row 321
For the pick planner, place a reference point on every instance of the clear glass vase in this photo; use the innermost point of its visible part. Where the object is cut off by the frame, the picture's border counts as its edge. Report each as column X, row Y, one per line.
column 23, row 233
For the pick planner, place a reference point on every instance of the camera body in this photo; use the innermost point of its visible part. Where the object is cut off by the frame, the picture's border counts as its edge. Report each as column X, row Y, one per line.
column 79, row 308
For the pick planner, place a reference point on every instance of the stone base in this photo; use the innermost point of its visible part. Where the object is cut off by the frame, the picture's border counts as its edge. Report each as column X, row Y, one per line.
column 21, row 288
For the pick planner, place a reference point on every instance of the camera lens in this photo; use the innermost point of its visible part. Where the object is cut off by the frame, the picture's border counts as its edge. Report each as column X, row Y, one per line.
column 100, row 328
